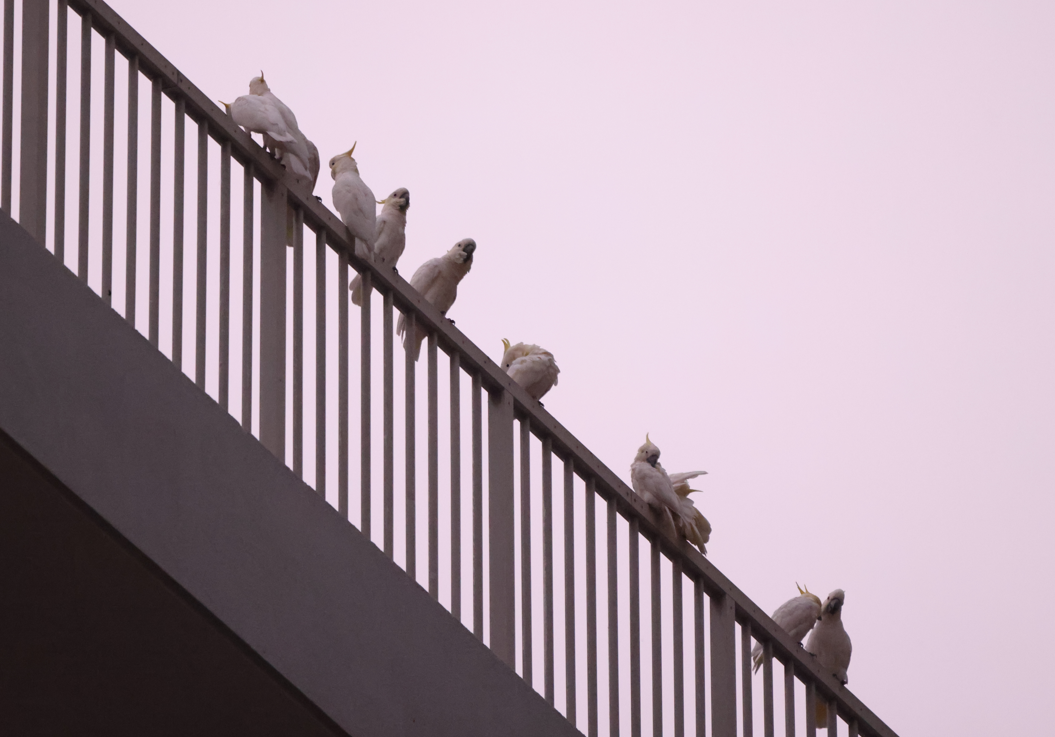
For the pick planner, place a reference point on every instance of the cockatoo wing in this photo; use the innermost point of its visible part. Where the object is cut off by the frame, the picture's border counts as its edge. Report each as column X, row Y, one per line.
column 257, row 115
column 795, row 616
column 537, row 373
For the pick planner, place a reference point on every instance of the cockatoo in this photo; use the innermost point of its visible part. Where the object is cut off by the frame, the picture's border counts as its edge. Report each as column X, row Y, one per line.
column 831, row 645
column 437, row 281
column 259, row 115
column 354, row 201
column 693, row 525
column 796, row 617
column 652, row 483
column 390, row 236
column 531, row 367
column 294, row 154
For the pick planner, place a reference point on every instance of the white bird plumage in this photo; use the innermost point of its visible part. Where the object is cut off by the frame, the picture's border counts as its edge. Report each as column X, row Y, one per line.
column 294, row 153
column 652, row 483
column 437, row 281
column 259, row 115
column 390, row 236
column 831, row 645
column 532, row 367
column 795, row 616
column 354, row 201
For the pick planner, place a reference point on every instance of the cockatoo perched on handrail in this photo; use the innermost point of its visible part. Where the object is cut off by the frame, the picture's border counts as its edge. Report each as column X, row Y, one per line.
column 795, row 616
column 294, row 154
column 530, row 366
column 390, row 236
column 354, row 201
column 437, row 281
column 831, row 645
column 259, row 115
column 651, row 482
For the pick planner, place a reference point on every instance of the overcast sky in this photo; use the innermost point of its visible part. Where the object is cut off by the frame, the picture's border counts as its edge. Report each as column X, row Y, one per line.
column 809, row 247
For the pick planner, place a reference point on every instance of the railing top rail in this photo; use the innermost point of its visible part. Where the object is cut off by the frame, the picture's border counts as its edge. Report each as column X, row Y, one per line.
column 201, row 107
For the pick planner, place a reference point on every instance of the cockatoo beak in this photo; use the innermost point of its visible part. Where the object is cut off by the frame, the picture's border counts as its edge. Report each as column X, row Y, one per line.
column 653, row 460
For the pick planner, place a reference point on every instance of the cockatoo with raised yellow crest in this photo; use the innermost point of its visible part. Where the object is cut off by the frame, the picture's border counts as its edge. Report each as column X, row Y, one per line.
column 831, row 646
column 795, row 616
column 390, row 236
column 354, row 201
column 530, row 366
column 437, row 281
column 651, row 482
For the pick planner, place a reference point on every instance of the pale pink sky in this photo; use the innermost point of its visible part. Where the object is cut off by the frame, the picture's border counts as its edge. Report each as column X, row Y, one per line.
column 809, row 247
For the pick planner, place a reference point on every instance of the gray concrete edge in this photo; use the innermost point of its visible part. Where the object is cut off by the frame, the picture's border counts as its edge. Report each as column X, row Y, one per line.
column 136, row 440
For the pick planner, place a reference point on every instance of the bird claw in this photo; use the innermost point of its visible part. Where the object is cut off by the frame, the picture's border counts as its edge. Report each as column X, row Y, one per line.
column 318, row 198
column 450, row 321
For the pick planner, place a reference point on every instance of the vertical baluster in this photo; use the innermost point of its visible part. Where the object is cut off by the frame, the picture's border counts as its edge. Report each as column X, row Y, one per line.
column 547, row 566
column 851, row 730
column 525, row 546
column 501, row 526
column 247, row 298
column 108, row 170
column 635, row 629
column 202, row 259
column 298, row 340
column 132, row 182
column 273, row 209
column 745, row 679
column 569, row 587
column 178, row 164
column 789, row 699
column 833, row 719
column 613, row 620
column 811, row 709
column 700, row 657
column 61, row 52
column 456, row 486
column 33, row 172
column 389, row 425
column 365, row 486
column 9, row 106
column 155, row 212
column 478, row 510
column 320, row 361
column 434, row 469
column 723, row 667
column 225, row 273
column 679, row 651
column 342, row 385
column 657, row 641
column 591, row 607
column 85, row 150
column 410, row 448
column 768, row 725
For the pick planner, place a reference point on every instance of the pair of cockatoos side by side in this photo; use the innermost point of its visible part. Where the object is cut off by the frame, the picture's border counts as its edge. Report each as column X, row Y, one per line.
column 669, row 495
column 262, row 112
column 390, row 236
column 532, row 367
column 437, row 281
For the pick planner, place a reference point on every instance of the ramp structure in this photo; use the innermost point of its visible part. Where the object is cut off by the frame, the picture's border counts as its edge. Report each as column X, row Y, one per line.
column 191, row 549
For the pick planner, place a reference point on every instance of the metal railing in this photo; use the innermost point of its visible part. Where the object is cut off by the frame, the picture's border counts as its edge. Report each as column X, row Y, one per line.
column 532, row 556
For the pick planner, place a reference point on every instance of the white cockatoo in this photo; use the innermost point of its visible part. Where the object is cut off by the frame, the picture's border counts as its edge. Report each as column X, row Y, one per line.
column 530, row 366
column 294, row 154
column 259, row 115
column 651, row 482
column 437, row 281
column 795, row 616
column 831, row 646
column 693, row 525
column 354, row 201
column 390, row 236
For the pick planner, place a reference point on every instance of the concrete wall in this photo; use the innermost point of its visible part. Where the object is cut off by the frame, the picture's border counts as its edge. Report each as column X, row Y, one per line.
column 229, row 527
